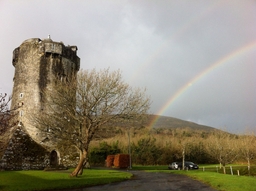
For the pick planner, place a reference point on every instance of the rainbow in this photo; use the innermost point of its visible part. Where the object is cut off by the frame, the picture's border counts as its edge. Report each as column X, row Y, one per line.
column 231, row 56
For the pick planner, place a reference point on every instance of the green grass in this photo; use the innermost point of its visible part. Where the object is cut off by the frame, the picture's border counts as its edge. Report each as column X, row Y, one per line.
column 243, row 170
column 219, row 181
column 222, row 181
column 49, row 180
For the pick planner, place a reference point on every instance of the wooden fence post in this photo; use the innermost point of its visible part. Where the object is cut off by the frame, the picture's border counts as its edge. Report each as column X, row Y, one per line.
column 231, row 171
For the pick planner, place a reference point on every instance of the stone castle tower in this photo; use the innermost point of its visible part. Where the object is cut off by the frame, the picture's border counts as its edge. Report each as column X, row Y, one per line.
column 38, row 63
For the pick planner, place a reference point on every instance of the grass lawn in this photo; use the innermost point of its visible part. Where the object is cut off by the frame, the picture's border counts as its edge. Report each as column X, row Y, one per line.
column 49, row 180
column 219, row 181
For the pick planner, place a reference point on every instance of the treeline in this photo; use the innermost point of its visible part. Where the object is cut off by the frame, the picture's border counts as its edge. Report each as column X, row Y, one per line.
column 162, row 146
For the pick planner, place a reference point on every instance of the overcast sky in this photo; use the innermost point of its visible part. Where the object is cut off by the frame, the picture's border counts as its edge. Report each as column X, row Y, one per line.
column 196, row 58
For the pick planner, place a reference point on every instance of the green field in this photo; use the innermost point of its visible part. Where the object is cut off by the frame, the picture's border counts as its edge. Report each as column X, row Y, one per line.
column 49, row 180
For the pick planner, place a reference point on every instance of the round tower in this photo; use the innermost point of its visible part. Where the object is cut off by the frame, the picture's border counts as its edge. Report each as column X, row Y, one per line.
column 37, row 64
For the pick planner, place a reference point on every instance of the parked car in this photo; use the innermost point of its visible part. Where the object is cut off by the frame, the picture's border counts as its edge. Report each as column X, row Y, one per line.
column 191, row 165
column 174, row 166
column 178, row 165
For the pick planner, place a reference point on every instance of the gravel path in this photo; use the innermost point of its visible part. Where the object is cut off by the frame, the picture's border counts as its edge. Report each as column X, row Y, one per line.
column 145, row 181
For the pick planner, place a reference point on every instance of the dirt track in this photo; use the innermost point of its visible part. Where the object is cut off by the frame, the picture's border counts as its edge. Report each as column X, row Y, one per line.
column 144, row 181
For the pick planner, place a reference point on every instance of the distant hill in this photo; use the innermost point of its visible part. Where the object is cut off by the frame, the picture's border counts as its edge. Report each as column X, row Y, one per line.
column 151, row 124
column 173, row 123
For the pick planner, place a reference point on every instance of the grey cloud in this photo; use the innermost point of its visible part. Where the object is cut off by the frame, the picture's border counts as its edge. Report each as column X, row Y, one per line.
column 160, row 45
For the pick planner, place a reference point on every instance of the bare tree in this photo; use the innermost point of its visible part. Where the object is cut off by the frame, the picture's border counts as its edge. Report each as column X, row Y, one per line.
column 76, row 111
column 6, row 120
column 223, row 147
column 4, row 112
column 184, row 144
column 247, row 148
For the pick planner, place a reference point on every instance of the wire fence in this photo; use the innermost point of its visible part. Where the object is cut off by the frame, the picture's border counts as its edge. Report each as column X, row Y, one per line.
column 233, row 170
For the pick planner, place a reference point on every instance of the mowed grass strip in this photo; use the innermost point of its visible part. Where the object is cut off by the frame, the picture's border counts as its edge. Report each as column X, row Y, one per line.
column 50, row 180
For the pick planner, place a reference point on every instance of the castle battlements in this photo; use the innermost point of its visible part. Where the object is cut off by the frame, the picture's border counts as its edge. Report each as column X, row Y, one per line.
column 47, row 46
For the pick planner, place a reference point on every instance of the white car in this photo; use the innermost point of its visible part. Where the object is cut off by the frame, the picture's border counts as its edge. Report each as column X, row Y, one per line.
column 174, row 166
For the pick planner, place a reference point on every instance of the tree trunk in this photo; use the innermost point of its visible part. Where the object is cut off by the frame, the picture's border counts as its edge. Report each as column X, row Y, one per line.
column 80, row 165
column 82, row 169
column 224, row 169
column 249, row 166
column 183, row 159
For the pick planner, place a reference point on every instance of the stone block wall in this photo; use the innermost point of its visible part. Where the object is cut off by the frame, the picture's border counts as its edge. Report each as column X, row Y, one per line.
column 24, row 153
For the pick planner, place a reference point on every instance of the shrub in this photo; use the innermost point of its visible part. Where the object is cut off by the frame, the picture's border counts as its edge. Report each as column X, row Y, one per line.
column 98, row 155
column 146, row 152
